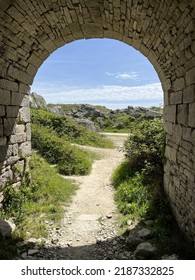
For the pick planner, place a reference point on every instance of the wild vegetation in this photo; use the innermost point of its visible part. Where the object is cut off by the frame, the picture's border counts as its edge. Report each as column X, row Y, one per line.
column 39, row 200
column 54, row 137
column 67, row 129
column 107, row 120
column 139, row 186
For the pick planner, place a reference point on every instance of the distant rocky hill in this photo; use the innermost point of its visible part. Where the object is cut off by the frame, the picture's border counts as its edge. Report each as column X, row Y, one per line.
column 37, row 101
column 94, row 117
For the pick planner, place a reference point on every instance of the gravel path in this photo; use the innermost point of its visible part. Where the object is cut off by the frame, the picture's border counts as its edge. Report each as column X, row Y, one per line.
column 89, row 229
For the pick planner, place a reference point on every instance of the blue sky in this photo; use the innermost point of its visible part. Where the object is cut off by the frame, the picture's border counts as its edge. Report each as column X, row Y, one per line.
column 98, row 71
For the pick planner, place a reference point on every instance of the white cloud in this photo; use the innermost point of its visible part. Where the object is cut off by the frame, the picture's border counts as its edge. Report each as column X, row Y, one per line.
column 59, row 93
column 124, row 76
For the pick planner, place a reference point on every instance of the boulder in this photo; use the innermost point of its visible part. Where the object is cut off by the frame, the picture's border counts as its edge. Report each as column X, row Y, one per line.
column 37, row 101
column 6, row 228
column 144, row 233
column 145, row 250
column 170, row 257
column 133, row 239
column 88, row 124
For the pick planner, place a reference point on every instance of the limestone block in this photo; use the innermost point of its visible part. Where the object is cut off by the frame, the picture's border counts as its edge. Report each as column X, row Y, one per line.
column 25, row 78
column 76, row 30
column 21, row 137
column 11, row 160
column 25, row 149
column 14, row 13
column 177, row 133
column 2, row 111
column 25, row 101
column 193, row 138
column 3, row 153
column 3, row 141
column 170, row 113
column 16, row 98
column 5, row 97
column 171, row 153
column 176, row 97
column 190, row 77
column 168, row 127
column 9, row 124
column 24, row 115
column 189, row 94
column 8, row 85
column 20, row 128
column 50, row 47
column 178, row 84
column 1, row 130
column 13, row 139
column 23, row 88
column 186, row 133
column 191, row 118
column 92, row 30
column 12, row 111
column 182, row 114
column 28, row 132
column 15, row 149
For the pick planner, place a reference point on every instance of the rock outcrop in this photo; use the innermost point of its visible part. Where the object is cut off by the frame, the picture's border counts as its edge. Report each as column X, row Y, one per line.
column 37, row 101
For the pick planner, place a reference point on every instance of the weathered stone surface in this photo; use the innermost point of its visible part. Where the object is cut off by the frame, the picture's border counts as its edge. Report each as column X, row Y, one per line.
column 6, row 228
column 24, row 115
column 37, row 101
column 88, row 124
column 145, row 250
column 133, row 239
column 144, row 233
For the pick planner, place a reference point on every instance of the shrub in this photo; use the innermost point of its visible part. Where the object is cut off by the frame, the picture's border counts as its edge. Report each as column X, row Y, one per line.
column 69, row 159
column 146, row 144
column 68, row 129
column 139, row 180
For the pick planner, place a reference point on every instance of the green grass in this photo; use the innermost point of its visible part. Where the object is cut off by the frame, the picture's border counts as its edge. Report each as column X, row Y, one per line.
column 70, row 159
column 66, row 128
column 44, row 200
column 30, row 207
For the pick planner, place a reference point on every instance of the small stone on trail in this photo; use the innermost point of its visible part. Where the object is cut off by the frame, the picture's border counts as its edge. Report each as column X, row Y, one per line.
column 144, row 232
column 145, row 250
column 109, row 216
column 33, row 252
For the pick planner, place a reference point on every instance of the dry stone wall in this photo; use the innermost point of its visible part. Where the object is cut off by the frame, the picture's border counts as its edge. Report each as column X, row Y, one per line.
column 162, row 30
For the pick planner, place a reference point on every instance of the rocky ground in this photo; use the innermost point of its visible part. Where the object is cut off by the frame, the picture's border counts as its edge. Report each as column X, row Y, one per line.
column 90, row 229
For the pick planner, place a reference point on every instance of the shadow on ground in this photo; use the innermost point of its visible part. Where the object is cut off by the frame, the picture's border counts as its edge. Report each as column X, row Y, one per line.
column 111, row 249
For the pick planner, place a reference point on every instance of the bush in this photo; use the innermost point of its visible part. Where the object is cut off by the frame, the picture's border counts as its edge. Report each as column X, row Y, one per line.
column 68, row 129
column 146, row 144
column 69, row 159
column 139, row 180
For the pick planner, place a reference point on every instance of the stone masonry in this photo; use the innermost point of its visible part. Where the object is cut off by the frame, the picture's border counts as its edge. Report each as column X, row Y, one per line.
column 162, row 30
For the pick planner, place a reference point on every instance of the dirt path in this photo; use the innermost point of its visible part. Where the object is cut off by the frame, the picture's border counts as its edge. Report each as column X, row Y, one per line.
column 90, row 219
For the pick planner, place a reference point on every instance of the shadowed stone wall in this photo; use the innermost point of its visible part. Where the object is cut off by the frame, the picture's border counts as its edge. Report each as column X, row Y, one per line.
column 162, row 30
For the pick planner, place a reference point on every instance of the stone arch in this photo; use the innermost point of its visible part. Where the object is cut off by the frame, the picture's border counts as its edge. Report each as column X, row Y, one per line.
column 162, row 30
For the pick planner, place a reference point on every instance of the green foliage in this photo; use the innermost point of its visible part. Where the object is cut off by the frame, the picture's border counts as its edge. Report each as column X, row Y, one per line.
column 68, row 129
column 139, row 180
column 14, row 202
column 133, row 197
column 122, row 173
column 69, row 159
column 146, row 143
column 42, row 200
